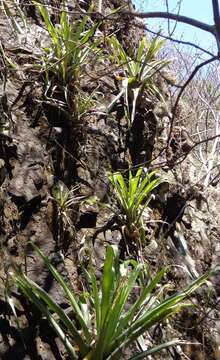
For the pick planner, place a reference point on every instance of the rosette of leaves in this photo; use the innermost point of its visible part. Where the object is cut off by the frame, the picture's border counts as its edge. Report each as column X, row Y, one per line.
column 70, row 47
column 139, row 73
column 102, row 321
column 133, row 195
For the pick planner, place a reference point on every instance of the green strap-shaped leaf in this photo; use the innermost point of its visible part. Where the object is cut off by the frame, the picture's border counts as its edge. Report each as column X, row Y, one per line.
column 144, row 296
column 108, row 282
column 46, row 304
column 50, row 28
column 168, row 307
column 124, row 288
column 69, row 293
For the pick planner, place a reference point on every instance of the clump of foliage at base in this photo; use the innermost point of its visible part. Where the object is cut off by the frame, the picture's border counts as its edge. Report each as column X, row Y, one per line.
column 102, row 324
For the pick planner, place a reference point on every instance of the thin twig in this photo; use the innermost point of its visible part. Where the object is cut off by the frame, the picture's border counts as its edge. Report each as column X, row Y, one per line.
column 197, row 68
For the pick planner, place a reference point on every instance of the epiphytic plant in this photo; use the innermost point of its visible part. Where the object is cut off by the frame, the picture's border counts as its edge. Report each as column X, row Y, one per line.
column 133, row 195
column 138, row 73
column 70, row 46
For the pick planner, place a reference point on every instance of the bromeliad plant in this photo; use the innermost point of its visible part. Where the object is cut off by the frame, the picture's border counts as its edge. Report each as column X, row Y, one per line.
column 70, row 46
column 133, row 196
column 65, row 199
column 103, row 323
column 139, row 72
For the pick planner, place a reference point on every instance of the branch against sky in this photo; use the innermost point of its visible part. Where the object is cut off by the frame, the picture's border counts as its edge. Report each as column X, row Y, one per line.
column 179, row 18
column 216, row 16
column 212, row 29
column 188, row 43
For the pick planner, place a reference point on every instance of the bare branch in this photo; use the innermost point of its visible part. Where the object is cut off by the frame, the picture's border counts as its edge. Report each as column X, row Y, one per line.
column 216, row 16
column 180, row 18
column 188, row 43
column 175, row 25
column 197, row 68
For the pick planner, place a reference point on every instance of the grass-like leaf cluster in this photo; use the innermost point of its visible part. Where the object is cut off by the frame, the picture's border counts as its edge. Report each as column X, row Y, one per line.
column 139, row 72
column 133, row 196
column 104, row 321
column 70, row 46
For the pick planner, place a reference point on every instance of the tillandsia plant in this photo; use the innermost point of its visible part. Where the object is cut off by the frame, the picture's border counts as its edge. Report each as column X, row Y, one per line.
column 65, row 199
column 138, row 73
column 70, row 46
column 104, row 321
column 133, row 196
